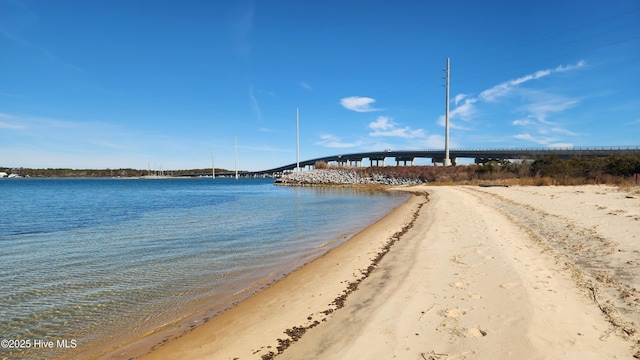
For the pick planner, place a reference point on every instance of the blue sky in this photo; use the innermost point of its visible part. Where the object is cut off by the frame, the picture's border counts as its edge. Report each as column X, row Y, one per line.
column 121, row 83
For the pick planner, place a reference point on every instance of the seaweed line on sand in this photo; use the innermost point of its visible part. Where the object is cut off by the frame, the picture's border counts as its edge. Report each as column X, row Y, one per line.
column 296, row 332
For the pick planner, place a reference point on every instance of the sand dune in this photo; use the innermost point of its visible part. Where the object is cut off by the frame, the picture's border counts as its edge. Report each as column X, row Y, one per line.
column 474, row 273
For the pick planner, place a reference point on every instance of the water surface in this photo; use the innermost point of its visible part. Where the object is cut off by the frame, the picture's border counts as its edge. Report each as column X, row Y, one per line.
column 103, row 261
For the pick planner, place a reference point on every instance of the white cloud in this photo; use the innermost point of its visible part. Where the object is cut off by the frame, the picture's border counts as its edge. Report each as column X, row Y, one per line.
column 464, row 111
column 459, row 98
column 522, row 122
column 578, row 65
column 452, row 124
column 381, row 123
column 384, row 126
column 304, row 85
column 505, row 88
column 358, row 104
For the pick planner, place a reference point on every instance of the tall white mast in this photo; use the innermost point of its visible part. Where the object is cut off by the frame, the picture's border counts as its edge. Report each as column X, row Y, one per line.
column 297, row 141
column 447, row 161
column 213, row 166
column 236, row 158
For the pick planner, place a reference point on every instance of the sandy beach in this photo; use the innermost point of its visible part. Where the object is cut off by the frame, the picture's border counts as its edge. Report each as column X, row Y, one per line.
column 461, row 273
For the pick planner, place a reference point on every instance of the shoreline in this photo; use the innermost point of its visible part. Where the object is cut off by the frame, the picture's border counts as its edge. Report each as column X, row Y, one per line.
column 530, row 272
column 141, row 347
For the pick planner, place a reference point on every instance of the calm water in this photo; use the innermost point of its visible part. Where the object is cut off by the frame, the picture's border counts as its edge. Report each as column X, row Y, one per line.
column 91, row 263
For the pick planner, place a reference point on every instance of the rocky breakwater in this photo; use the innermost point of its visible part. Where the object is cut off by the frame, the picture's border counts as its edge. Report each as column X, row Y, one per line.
column 342, row 177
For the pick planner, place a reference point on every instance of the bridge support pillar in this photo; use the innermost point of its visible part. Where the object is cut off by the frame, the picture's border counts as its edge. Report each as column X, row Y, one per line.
column 404, row 161
column 377, row 160
column 355, row 161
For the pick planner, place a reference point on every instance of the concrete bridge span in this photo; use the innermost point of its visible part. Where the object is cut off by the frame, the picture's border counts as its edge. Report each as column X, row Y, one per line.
column 407, row 157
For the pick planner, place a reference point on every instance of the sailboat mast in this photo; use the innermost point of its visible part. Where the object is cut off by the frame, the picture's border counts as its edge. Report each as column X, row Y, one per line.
column 213, row 166
column 297, row 141
column 236, row 158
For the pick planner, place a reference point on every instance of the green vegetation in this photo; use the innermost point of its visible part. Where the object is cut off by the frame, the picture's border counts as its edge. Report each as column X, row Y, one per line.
column 543, row 171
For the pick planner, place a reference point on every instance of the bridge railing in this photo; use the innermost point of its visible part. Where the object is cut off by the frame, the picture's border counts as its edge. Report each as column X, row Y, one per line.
column 528, row 149
column 488, row 151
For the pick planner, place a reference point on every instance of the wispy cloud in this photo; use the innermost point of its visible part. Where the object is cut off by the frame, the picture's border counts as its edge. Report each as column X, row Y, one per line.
column 358, row 103
column 38, row 49
column 10, row 122
column 548, row 141
column 507, row 87
column 523, row 122
column 385, row 126
column 6, row 125
column 542, row 104
column 16, row 19
column 304, row 85
column 537, row 106
column 241, row 26
column 254, row 103
column 36, row 141
column 559, row 130
column 333, row 141
column 495, row 93
column 543, row 140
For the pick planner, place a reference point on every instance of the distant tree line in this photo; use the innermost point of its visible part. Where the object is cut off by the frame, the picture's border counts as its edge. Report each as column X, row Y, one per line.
column 542, row 171
column 98, row 173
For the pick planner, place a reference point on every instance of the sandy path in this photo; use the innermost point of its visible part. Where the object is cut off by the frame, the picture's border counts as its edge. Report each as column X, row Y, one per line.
column 470, row 281
column 477, row 273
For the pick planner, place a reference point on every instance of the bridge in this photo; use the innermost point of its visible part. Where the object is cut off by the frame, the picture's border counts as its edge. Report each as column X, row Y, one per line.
column 407, row 157
column 480, row 156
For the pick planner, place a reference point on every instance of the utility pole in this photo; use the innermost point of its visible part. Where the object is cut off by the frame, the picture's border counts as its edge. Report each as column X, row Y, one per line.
column 447, row 161
column 297, row 141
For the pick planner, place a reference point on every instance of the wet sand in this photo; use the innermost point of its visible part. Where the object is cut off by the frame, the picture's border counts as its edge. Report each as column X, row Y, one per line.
column 482, row 273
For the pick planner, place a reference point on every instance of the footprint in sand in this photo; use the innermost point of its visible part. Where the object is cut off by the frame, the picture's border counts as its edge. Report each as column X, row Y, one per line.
column 459, row 285
column 474, row 332
column 454, row 313
column 475, row 296
column 509, row 285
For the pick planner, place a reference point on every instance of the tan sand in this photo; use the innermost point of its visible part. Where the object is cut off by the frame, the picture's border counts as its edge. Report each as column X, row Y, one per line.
column 480, row 273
